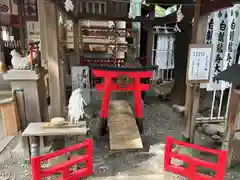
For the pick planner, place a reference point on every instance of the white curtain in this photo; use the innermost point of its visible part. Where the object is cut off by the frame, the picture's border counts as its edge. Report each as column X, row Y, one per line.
column 164, row 57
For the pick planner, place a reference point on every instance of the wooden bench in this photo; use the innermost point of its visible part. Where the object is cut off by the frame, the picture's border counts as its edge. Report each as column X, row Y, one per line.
column 36, row 130
column 123, row 129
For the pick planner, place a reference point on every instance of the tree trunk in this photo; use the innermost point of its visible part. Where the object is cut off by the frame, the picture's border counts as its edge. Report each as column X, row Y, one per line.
column 182, row 41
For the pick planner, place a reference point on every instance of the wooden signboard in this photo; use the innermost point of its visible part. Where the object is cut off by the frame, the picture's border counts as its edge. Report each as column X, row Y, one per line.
column 10, row 117
column 199, row 63
column 81, row 79
column 33, row 31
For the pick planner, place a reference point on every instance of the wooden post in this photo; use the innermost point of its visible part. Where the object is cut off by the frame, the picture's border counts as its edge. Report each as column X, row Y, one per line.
column 193, row 90
column 76, row 32
column 43, row 40
column 150, row 42
column 76, row 39
column 230, row 127
column 57, row 93
column 21, row 29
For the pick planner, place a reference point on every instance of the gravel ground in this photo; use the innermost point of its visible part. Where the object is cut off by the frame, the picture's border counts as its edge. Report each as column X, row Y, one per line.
column 160, row 120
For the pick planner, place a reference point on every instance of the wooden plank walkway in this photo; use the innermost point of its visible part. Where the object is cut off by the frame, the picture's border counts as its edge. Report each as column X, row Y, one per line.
column 123, row 130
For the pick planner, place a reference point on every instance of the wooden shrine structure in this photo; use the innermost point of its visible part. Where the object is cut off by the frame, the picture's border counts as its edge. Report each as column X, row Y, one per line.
column 53, row 47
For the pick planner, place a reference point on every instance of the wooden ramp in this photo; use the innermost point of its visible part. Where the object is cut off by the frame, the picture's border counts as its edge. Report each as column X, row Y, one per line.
column 123, row 130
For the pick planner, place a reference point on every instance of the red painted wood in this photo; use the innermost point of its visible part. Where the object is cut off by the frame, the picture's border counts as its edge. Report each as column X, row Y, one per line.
column 192, row 163
column 64, row 168
column 130, row 87
column 110, row 86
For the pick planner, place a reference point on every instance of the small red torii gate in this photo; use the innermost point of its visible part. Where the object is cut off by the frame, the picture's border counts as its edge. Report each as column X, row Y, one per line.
column 110, row 73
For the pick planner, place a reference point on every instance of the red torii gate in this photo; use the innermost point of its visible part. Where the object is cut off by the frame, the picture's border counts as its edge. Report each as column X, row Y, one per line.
column 110, row 73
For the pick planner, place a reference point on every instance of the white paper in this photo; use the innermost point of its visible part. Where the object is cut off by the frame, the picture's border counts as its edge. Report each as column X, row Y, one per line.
column 199, row 64
column 220, row 18
column 164, row 57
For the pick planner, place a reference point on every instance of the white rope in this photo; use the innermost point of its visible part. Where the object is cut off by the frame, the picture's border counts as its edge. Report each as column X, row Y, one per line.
column 76, row 106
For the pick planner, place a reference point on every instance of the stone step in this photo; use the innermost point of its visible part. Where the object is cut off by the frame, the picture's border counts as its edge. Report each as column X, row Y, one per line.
column 164, row 176
column 125, row 177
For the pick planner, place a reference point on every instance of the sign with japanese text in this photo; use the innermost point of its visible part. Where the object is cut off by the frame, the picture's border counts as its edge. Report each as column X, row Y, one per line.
column 81, row 79
column 208, row 38
column 219, row 48
column 200, row 56
column 223, row 33
column 33, row 31
column 232, row 40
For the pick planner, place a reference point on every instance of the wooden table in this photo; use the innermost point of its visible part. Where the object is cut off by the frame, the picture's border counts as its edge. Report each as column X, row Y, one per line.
column 35, row 130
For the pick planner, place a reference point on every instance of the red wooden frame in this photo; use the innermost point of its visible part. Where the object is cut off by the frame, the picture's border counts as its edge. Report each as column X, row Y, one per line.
column 64, row 168
column 190, row 172
column 109, row 86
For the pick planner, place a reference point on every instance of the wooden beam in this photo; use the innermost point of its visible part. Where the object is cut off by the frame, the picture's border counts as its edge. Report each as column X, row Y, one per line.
column 21, row 29
column 150, row 41
column 76, row 31
column 193, row 90
column 43, row 40
column 215, row 5
column 57, row 94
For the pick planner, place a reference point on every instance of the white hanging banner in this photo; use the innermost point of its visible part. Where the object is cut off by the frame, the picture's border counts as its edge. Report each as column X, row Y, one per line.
column 171, row 52
column 219, row 48
column 232, row 41
column 164, row 57
column 208, row 38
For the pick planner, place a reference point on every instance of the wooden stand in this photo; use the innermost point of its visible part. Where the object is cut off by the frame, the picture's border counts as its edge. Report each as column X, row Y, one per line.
column 10, row 117
column 230, row 128
column 193, row 90
column 34, row 93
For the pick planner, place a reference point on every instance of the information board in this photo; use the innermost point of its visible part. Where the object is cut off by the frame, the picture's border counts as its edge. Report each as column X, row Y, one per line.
column 199, row 62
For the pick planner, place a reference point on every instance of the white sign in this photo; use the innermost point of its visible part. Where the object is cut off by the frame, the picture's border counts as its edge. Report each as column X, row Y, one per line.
column 81, row 79
column 33, row 31
column 199, row 63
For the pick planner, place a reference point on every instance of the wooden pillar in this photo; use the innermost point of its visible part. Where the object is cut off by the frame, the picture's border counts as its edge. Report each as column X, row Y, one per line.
column 43, row 40
column 230, row 127
column 76, row 32
column 2, row 58
column 150, row 42
column 193, row 90
column 57, row 93
column 76, row 39
column 63, row 59
column 22, row 22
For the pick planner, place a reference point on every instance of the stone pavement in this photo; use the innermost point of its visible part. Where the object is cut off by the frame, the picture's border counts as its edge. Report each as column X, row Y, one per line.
column 160, row 120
